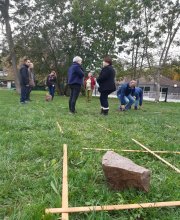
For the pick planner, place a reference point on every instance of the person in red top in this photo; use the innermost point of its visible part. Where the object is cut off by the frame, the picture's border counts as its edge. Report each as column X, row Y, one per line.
column 89, row 84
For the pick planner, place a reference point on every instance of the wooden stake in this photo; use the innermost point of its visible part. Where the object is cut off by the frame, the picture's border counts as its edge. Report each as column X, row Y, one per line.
column 60, row 129
column 65, row 216
column 168, row 126
column 104, row 127
column 160, row 158
column 136, row 151
column 113, row 207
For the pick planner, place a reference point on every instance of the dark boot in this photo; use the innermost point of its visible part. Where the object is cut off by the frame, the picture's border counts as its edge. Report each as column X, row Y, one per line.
column 105, row 112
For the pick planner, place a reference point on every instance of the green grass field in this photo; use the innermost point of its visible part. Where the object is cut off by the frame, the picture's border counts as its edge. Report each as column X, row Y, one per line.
column 31, row 149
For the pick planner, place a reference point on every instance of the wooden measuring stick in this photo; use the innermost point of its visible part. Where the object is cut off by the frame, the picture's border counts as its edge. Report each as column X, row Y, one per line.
column 65, row 216
column 113, row 207
column 104, row 127
column 160, row 158
column 60, row 129
column 138, row 151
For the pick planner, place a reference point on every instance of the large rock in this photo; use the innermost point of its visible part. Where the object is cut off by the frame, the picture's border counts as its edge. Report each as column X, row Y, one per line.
column 122, row 172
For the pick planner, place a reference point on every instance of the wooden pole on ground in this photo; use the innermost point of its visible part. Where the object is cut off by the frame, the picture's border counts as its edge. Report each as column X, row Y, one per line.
column 113, row 207
column 104, row 128
column 136, row 151
column 65, row 216
column 60, row 129
column 160, row 158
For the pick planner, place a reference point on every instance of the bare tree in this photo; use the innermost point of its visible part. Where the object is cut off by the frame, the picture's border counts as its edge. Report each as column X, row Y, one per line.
column 170, row 24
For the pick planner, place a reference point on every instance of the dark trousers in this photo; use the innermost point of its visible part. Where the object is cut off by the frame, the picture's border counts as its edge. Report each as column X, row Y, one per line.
column 104, row 99
column 52, row 90
column 28, row 93
column 24, row 91
column 75, row 90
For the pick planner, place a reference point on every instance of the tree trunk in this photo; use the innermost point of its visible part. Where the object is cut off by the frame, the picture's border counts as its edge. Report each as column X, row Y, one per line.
column 157, row 83
column 11, row 45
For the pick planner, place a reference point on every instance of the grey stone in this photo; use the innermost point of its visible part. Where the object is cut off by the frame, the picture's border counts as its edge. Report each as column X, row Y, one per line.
column 122, row 172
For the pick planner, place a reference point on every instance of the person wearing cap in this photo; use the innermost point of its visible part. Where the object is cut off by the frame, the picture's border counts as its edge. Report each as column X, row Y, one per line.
column 106, row 81
column 124, row 95
column 75, row 80
column 89, row 84
column 138, row 94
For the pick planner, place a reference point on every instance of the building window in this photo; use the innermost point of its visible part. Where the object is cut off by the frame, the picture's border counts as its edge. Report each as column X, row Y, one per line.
column 146, row 89
column 163, row 90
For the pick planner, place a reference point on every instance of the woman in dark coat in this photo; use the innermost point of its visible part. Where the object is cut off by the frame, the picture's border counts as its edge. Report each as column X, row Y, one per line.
column 106, row 81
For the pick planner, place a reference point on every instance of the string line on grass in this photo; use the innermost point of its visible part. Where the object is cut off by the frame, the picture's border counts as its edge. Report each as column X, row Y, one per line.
column 65, row 210
column 160, row 158
column 136, row 151
column 150, row 151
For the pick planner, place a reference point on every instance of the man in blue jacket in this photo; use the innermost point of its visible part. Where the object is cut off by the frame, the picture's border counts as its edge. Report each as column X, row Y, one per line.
column 75, row 80
column 138, row 94
column 24, row 80
column 124, row 95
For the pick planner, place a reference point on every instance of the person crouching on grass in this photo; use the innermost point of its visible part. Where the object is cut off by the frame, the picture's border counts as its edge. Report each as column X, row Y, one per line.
column 106, row 81
column 124, row 95
column 51, row 81
column 138, row 94
column 89, row 84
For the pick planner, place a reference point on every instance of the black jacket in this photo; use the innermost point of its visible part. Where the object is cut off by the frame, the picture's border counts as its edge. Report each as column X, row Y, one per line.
column 106, row 79
column 24, row 75
column 51, row 80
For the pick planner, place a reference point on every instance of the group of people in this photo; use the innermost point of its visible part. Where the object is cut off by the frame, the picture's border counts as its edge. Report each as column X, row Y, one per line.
column 128, row 94
column 27, row 81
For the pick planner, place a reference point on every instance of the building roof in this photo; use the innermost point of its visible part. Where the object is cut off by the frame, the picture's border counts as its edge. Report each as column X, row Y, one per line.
column 149, row 80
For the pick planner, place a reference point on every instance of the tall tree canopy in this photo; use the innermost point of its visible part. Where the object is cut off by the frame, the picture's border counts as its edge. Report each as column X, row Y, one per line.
column 51, row 32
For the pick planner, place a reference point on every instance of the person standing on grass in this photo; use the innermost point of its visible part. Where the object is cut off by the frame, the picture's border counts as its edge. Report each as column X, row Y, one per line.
column 50, row 82
column 106, row 81
column 75, row 80
column 124, row 95
column 138, row 94
column 31, row 81
column 24, row 80
column 89, row 84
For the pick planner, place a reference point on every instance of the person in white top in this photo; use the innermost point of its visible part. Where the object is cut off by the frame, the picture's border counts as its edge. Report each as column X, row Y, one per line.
column 89, row 84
